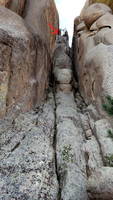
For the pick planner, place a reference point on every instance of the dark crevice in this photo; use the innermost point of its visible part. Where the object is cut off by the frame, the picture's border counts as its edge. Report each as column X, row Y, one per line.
column 107, row 26
column 17, row 145
column 83, row 100
column 88, row 172
column 55, row 142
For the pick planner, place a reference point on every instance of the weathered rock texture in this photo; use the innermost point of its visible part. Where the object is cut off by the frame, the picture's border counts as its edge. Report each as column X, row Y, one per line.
column 60, row 149
column 25, row 57
column 27, row 158
column 38, row 15
column 14, row 5
column 107, row 2
column 93, row 48
column 93, row 60
column 71, row 166
column 100, row 184
column 42, row 153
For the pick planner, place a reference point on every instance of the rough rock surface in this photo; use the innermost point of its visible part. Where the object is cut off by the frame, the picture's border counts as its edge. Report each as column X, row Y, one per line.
column 41, row 152
column 93, row 59
column 14, row 5
column 16, row 52
column 71, row 166
column 63, row 76
column 38, row 15
column 93, row 12
column 70, row 156
column 25, row 59
column 54, row 151
column 102, row 187
column 27, row 158
column 101, row 130
column 93, row 52
column 107, row 2
column 61, row 149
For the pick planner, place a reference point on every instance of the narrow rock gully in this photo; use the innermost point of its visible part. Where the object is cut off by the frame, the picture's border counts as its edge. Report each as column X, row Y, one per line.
column 50, row 152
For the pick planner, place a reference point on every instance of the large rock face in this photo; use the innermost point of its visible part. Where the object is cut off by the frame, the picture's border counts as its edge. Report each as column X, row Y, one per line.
column 38, row 15
column 61, row 149
column 16, row 60
column 93, row 59
column 14, row 5
column 93, row 48
column 29, row 172
column 25, row 59
column 107, row 2
column 94, row 12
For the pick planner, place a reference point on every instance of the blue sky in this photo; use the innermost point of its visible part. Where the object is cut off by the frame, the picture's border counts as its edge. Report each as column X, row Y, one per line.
column 68, row 10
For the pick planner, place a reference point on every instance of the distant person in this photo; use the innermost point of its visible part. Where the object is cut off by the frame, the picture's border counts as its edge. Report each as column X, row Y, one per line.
column 66, row 35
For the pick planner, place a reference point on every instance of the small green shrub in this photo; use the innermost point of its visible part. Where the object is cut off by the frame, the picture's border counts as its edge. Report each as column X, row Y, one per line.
column 67, row 156
column 110, row 134
column 109, row 160
column 108, row 107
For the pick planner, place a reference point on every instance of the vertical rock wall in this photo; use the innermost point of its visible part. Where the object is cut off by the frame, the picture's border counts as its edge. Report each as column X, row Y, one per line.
column 26, row 49
column 93, row 65
column 14, row 5
column 38, row 15
column 93, row 48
